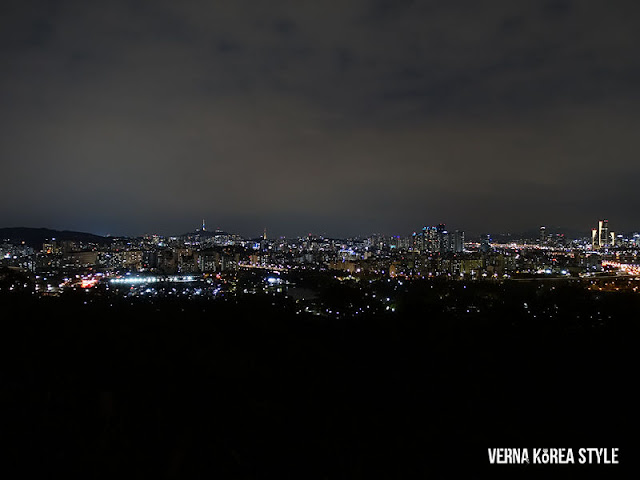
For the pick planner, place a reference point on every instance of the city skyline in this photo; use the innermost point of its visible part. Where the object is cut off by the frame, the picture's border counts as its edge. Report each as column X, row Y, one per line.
column 55, row 262
column 533, row 232
column 363, row 117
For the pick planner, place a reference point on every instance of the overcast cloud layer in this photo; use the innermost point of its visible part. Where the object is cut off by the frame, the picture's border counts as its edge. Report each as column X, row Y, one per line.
column 343, row 117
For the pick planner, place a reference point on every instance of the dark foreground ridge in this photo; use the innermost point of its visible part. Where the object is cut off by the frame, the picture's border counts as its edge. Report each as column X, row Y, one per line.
column 228, row 389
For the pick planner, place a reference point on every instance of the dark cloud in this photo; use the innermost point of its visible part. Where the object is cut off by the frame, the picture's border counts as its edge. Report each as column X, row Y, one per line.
column 347, row 117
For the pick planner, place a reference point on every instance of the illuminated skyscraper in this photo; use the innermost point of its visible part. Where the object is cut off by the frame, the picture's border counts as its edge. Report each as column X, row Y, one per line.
column 601, row 238
column 600, row 234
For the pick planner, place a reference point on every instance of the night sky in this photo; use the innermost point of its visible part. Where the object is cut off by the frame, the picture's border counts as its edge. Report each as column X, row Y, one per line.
column 338, row 118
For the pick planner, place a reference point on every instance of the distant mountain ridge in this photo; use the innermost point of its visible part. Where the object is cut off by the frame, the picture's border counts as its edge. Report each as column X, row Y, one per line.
column 35, row 237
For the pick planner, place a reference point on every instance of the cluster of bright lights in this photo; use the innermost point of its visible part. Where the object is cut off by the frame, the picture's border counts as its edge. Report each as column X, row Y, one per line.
column 278, row 268
column 88, row 282
column 151, row 279
column 625, row 267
